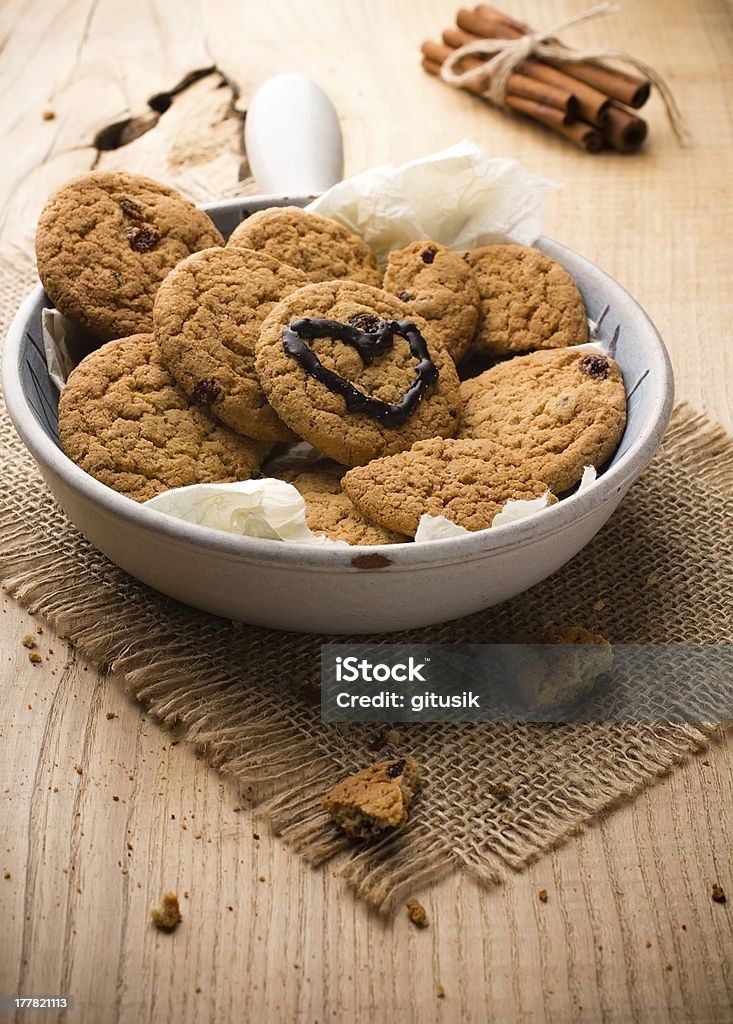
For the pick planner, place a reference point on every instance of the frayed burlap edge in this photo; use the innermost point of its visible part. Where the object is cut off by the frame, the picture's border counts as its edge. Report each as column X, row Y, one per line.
column 285, row 769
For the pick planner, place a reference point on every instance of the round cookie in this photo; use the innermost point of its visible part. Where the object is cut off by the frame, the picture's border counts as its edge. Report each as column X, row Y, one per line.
column 207, row 315
column 124, row 420
column 330, row 511
column 319, row 413
column 468, row 482
column 322, row 248
column 106, row 240
column 528, row 301
column 437, row 284
column 560, row 410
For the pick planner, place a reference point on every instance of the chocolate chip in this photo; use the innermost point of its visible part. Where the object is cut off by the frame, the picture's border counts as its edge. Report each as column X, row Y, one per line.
column 594, row 366
column 395, row 770
column 428, row 255
column 452, row 413
column 142, row 239
column 130, row 208
column 367, row 323
column 405, row 296
column 206, row 391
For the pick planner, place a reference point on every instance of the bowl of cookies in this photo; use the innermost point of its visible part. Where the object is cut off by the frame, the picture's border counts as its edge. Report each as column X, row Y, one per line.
column 242, row 406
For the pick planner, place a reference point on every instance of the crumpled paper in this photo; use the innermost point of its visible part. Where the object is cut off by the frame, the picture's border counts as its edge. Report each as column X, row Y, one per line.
column 58, row 333
column 459, row 197
column 268, row 508
column 439, row 528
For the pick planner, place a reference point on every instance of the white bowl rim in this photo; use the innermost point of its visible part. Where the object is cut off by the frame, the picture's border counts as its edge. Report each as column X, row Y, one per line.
column 565, row 514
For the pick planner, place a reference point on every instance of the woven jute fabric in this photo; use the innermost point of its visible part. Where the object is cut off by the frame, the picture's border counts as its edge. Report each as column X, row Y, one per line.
column 660, row 571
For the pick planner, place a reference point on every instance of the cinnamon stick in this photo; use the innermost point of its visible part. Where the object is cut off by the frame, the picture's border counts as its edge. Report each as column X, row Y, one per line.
column 631, row 90
column 623, row 130
column 592, row 103
column 550, row 90
column 519, row 85
column 585, row 136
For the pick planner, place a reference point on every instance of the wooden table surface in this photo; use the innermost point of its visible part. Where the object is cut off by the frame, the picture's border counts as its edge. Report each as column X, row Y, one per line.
column 101, row 811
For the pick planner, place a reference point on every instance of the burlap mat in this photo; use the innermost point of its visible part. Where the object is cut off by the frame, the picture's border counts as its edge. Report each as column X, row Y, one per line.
column 660, row 571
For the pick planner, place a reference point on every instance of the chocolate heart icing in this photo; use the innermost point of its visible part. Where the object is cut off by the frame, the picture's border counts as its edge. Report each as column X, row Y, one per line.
column 369, row 344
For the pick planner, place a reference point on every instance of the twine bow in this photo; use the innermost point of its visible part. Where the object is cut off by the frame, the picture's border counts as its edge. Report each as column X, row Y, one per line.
column 505, row 55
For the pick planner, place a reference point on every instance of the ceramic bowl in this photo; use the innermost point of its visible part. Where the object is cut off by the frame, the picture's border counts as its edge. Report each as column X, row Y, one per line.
column 339, row 590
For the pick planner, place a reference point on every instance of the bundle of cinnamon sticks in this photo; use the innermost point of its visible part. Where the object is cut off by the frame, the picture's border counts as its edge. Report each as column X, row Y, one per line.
column 583, row 101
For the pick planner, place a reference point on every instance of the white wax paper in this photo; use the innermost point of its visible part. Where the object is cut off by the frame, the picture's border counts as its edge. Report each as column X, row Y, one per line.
column 267, row 508
column 590, row 475
column 459, row 197
column 519, row 509
column 438, row 528
column 57, row 332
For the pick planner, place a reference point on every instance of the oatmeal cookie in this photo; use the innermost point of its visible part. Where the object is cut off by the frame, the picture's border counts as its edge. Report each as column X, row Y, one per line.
column 322, row 249
column 375, row 799
column 107, row 239
column 468, row 482
column 330, row 511
column 438, row 285
column 374, row 394
column 558, row 411
column 124, row 420
column 528, row 301
column 207, row 315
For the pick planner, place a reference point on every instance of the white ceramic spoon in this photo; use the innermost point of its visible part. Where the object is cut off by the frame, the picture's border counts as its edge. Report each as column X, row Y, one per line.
column 293, row 137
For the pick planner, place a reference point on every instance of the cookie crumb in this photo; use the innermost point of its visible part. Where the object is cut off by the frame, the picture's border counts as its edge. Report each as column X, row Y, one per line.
column 34, row 658
column 261, row 878
column 500, row 790
column 6, row 874
column 416, row 913
column 197, row 989
column 718, row 896
column 392, row 736
column 440, row 991
column 110, row 715
column 648, row 943
column 48, row 115
column 29, row 640
column 542, row 895
column 167, row 916
column 599, row 605
column 78, row 769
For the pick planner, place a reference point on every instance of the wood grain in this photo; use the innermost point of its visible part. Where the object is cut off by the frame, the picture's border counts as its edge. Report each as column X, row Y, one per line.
column 629, row 931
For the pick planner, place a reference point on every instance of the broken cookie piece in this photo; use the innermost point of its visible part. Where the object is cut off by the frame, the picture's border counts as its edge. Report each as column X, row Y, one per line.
column 167, row 916
column 562, row 671
column 374, row 799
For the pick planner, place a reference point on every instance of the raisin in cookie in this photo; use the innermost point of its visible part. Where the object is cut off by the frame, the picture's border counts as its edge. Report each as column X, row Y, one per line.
column 330, row 511
column 207, row 315
column 106, row 240
column 559, row 411
column 468, row 482
column 337, row 370
column 322, row 249
column 124, row 420
column 375, row 799
column 528, row 301
column 438, row 285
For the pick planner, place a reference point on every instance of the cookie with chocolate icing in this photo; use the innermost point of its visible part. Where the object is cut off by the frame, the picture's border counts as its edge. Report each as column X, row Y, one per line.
column 207, row 315
column 468, row 482
column 330, row 511
column 438, row 285
column 106, row 240
column 343, row 368
column 124, row 420
column 556, row 410
column 321, row 248
column 528, row 301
